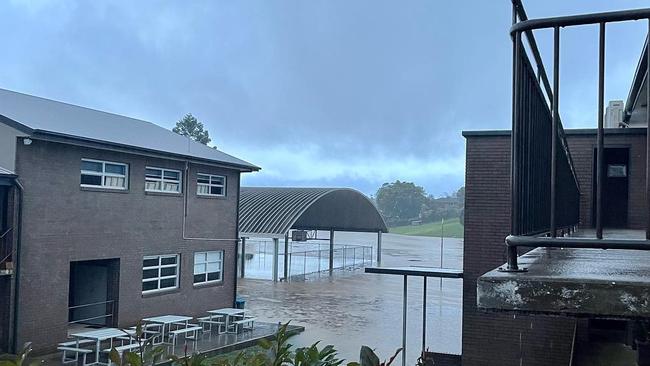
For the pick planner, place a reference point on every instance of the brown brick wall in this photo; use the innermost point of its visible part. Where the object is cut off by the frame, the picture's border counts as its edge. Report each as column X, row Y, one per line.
column 494, row 338
column 64, row 223
column 582, row 150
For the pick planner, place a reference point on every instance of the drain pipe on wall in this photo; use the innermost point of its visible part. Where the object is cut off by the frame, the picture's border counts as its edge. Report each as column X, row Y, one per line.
column 19, row 225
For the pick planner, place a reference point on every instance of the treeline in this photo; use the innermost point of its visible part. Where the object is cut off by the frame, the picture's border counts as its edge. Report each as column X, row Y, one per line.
column 403, row 203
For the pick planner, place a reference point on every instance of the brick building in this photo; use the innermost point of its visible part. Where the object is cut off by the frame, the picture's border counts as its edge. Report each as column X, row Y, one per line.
column 538, row 288
column 107, row 219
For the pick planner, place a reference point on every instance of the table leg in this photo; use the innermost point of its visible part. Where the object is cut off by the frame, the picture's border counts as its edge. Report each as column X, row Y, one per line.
column 97, row 346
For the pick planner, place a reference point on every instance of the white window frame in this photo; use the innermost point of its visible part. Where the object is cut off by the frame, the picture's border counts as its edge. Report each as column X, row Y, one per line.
column 205, row 264
column 210, row 185
column 163, row 180
column 159, row 267
column 103, row 175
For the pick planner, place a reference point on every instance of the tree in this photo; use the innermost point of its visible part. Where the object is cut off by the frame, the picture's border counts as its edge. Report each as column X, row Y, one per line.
column 400, row 202
column 192, row 127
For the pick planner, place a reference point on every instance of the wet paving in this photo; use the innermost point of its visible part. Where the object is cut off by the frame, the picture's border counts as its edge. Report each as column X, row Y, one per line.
column 353, row 308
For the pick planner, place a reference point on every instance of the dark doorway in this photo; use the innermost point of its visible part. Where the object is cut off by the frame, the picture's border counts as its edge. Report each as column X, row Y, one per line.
column 615, row 188
column 93, row 293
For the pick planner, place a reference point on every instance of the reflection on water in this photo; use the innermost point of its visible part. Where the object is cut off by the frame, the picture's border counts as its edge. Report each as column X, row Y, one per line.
column 352, row 308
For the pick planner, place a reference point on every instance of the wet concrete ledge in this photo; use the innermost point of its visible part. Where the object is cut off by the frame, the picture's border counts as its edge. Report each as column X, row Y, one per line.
column 576, row 282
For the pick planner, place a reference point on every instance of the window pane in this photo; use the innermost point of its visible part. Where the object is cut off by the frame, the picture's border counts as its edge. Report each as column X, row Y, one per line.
column 152, row 186
column 199, row 278
column 149, row 273
column 217, row 180
column 169, row 271
column 170, row 282
column 153, row 173
column 172, row 175
column 91, row 180
column 171, row 187
column 150, row 262
column 202, row 178
column 115, row 182
column 202, row 189
column 149, row 285
column 214, row 267
column 115, row 169
column 214, row 256
column 199, row 257
column 91, row 166
column 214, row 276
column 199, row 268
column 216, row 190
column 168, row 260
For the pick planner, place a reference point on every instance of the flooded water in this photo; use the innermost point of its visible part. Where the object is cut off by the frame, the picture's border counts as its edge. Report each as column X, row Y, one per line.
column 353, row 308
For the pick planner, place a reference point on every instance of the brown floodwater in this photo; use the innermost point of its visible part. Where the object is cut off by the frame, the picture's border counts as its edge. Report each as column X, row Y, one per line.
column 353, row 308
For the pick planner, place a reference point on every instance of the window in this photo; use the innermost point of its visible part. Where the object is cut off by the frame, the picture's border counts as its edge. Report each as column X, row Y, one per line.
column 211, row 185
column 208, row 267
column 103, row 174
column 162, row 180
column 159, row 272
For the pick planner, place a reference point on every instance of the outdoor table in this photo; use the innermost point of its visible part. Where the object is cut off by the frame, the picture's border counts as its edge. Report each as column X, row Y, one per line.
column 99, row 335
column 228, row 313
column 168, row 320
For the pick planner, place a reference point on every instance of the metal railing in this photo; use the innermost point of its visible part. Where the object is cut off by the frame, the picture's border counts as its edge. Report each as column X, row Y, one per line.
column 545, row 192
column 303, row 259
column 105, row 314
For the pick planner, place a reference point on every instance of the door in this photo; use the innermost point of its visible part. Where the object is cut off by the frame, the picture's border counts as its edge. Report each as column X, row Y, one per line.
column 92, row 297
column 615, row 187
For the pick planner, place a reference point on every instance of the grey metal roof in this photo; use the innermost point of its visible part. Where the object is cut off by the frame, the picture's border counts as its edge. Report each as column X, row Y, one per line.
column 35, row 115
column 272, row 211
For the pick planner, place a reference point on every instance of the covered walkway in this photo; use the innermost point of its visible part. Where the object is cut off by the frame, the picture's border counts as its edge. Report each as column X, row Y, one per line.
column 272, row 212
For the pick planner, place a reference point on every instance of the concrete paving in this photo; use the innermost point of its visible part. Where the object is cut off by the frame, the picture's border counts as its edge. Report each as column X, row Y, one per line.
column 353, row 308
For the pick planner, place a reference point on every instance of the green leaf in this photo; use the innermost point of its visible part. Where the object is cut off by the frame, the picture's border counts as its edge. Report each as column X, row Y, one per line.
column 368, row 357
column 133, row 358
column 115, row 357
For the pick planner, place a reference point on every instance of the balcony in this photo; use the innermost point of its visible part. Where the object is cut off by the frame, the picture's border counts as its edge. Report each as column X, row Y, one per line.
column 575, row 264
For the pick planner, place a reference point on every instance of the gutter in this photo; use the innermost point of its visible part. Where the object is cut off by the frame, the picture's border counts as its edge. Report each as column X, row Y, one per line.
column 19, row 230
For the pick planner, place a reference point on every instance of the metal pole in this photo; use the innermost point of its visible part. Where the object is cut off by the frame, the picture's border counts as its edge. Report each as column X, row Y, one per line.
column 331, row 251
column 424, row 316
column 514, row 178
column 647, row 153
column 304, row 264
column 601, row 138
column 286, row 254
column 276, row 249
column 345, row 247
column 404, row 321
column 442, row 245
column 379, row 248
column 554, row 125
column 243, row 256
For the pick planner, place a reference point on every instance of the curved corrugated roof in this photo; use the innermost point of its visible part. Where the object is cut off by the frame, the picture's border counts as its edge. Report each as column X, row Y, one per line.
column 273, row 211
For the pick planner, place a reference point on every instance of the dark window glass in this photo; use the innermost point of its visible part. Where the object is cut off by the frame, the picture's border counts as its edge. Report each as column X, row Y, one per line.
column 91, row 166
column 154, row 173
column 149, row 273
column 115, row 169
column 216, row 190
column 217, row 180
column 150, row 262
column 168, row 271
column 213, row 276
column 199, row 278
column 91, row 180
column 170, row 282
column 203, row 179
column 149, row 285
column 172, row 175
column 169, row 260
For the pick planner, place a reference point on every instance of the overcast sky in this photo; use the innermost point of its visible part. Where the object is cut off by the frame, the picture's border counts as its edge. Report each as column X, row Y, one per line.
column 318, row 93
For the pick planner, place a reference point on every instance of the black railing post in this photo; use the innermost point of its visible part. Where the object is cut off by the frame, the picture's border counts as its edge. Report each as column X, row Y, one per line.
column 600, row 148
column 647, row 153
column 554, row 126
column 514, row 156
